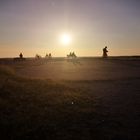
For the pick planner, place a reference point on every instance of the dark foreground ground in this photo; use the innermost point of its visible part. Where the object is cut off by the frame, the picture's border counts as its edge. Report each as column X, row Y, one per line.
column 85, row 99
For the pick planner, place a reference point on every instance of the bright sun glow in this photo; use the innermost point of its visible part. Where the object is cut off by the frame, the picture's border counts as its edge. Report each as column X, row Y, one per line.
column 65, row 39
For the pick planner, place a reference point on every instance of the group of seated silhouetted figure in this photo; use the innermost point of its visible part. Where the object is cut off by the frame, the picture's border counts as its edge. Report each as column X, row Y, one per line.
column 71, row 55
column 37, row 56
column 48, row 56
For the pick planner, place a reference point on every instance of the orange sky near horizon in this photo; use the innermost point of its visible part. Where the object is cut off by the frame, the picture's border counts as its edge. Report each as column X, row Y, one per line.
column 33, row 27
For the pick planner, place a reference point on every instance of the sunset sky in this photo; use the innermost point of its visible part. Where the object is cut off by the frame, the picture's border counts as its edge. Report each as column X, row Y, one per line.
column 35, row 26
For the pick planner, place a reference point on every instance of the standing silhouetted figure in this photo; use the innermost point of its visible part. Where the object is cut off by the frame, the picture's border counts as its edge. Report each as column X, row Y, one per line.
column 105, row 52
column 21, row 55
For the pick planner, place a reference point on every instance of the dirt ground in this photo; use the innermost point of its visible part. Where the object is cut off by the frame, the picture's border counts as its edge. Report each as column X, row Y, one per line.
column 81, row 69
column 59, row 99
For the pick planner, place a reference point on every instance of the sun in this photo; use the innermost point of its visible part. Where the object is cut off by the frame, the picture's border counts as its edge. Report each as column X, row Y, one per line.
column 65, row 38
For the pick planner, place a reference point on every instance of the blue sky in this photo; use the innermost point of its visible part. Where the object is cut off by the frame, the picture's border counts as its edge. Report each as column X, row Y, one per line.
column 34, row 26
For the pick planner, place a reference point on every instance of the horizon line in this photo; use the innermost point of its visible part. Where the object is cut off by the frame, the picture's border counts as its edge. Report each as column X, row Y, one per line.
column 77, row 56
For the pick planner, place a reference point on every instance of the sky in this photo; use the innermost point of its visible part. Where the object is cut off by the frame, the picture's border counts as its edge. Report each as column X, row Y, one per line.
column 35, row 26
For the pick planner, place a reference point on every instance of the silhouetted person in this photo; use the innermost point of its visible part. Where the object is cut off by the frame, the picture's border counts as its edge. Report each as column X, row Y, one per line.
column 37, row 56
column 46, row 55
column 21, row 55
column 105, row 51
column 50, row 55
column 73, row 55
